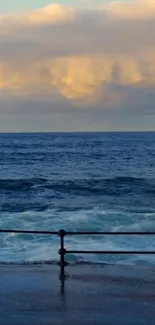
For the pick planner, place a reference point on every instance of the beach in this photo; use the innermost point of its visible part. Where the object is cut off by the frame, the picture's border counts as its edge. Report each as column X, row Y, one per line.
column 90, row 294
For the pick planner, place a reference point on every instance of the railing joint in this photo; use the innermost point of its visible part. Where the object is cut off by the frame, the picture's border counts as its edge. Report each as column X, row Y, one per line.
column 62, row 251
column 62, row 233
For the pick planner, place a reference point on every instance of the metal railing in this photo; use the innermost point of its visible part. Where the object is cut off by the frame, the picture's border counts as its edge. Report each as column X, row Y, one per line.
column 63, row 251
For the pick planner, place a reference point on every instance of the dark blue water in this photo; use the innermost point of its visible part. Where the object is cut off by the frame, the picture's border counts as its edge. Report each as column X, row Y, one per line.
column 97, row 181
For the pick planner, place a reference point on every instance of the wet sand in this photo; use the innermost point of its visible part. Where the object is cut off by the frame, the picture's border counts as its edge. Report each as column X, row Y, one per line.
column 94, row 295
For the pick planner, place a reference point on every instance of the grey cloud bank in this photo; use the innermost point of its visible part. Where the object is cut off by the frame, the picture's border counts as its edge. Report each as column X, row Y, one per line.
column 78, row 68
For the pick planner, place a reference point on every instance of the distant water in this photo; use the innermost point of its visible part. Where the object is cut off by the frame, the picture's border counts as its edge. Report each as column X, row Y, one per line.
column 84, row 182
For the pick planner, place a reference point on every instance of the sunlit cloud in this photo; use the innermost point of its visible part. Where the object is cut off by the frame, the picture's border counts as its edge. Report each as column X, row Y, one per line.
column 100, row 56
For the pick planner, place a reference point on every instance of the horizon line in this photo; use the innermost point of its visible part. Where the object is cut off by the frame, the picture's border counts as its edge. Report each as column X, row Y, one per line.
column 75, row 132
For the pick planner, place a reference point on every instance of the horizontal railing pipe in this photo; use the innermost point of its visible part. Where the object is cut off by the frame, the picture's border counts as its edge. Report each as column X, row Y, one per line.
column 109, row 252
column 81, row 233
column 108, row 233
column 36, row 232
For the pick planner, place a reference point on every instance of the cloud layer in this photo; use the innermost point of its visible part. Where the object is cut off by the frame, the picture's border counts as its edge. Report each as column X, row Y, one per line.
column 97, row 57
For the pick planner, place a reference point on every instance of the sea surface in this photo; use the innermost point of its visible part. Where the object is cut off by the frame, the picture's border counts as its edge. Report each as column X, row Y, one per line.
column 79, row 182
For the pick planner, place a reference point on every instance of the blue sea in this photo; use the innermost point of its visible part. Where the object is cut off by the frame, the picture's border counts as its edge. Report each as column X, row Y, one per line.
column 79, row 182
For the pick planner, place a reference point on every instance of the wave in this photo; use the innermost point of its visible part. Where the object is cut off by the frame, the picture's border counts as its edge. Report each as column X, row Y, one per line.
column 20, row 184
column 51, row 262
column 107, row 186
column 38, row 249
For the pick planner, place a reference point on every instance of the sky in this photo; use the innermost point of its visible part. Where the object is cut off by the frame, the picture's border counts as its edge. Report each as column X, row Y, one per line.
column 20, row 5
column 80, row 65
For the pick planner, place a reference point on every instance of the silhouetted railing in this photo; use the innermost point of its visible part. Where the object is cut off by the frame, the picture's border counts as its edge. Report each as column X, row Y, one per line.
column 63, row 251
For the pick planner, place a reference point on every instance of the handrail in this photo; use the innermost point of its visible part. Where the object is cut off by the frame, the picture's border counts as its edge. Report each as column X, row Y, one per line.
column 20, row 231
column 70, row 233
column 109, row 252
column 109, row 233
column 62, row 233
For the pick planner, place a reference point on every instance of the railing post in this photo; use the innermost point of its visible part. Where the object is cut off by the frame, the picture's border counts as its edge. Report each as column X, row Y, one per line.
column 62, row 250
column 63, row 263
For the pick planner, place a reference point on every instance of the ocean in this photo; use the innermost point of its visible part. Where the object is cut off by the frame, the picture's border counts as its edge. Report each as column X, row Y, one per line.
column 79, row 182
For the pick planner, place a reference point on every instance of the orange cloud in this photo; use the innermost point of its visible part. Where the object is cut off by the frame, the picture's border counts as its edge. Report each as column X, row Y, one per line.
column 79, row 54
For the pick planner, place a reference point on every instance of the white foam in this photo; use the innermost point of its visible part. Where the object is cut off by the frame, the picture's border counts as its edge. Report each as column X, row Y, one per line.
column 15, row 247
column 144, row 225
